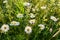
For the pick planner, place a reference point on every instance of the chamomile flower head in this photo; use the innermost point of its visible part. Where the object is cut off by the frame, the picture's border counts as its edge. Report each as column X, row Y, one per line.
column 32, row 21
column 43, row 7
column 19, row 15
column 54, row 18
column 28, row 29
column 5, row 1
column 32, row 15
column 41, row 26
column 14, row 23
column 5, row 27
column 26, row 4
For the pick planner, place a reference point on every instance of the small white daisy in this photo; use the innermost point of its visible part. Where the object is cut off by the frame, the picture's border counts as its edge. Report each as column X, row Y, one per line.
column 32, row 21
column 32, row 15
column 54, row 18
column 50, row 30
column 41, row 26
column 5, row 27
column 43, row 7
column 5, row 1
column 26, row 4
column 19, row 15
column 28, row 29
column 14, row 23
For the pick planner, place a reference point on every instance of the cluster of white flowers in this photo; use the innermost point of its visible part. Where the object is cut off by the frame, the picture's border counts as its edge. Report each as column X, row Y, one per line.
column 5, row 27
column 28, row 29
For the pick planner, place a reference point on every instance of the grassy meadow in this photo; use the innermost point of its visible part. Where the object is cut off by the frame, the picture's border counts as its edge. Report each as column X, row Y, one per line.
column 29, row 19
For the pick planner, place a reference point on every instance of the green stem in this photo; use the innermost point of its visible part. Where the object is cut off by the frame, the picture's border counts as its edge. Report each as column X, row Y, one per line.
column 27, row 37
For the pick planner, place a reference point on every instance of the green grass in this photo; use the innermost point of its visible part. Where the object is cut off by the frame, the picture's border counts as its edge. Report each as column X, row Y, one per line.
column 8, row 12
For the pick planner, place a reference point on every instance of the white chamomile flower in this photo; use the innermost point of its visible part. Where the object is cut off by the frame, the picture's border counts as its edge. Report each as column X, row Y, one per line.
column 28, row 29
column 54, row 18
column 50, row 30
column 14, row 23
column 32, row 21
column 5, row 27
column 32, row 15
column 5, row 1
column 41, row 26
column 19, row 15
column 26, row 4
column 43, row 7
